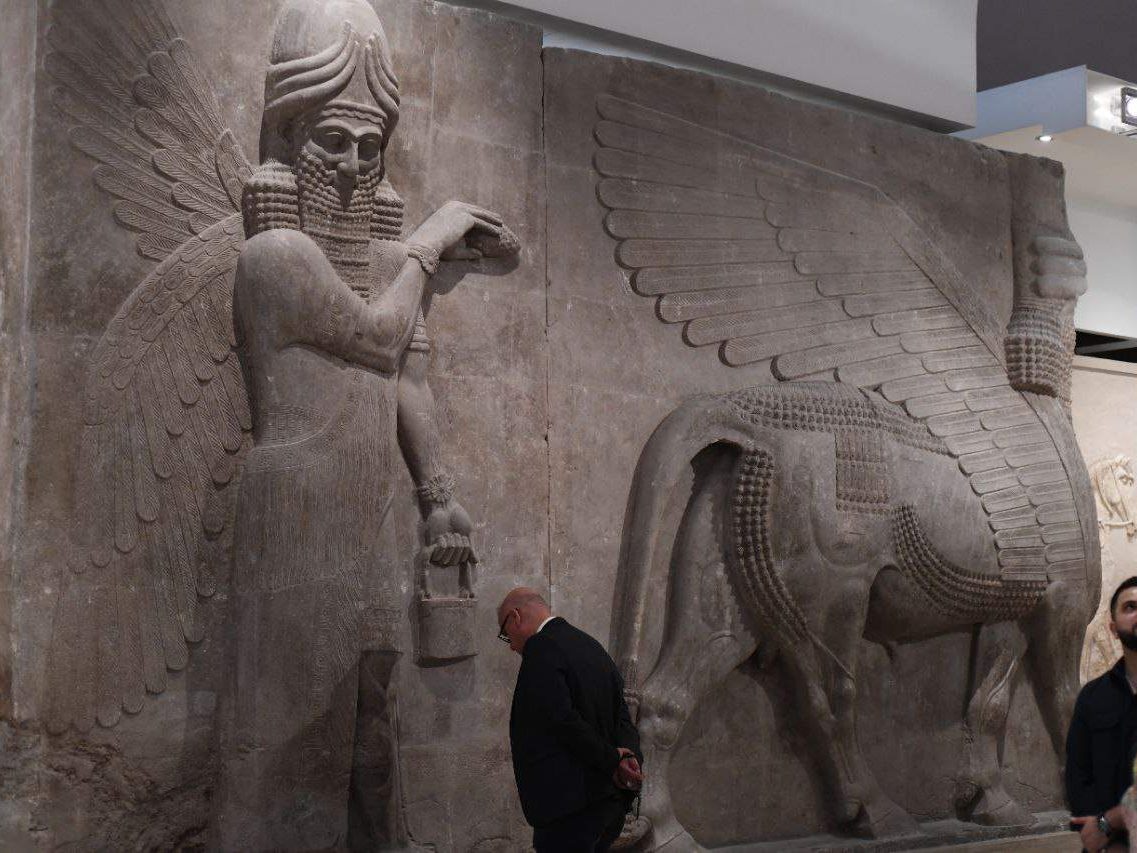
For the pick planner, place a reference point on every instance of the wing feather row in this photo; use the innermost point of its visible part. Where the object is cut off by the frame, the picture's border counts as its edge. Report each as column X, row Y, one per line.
column 166, row 422
column 140, row 106
column 807, row 274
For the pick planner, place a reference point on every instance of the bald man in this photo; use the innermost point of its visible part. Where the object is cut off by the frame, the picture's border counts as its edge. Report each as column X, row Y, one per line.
column 576, row 753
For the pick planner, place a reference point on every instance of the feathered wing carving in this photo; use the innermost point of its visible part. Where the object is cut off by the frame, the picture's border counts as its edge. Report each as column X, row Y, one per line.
column 165, row 407
column 143, row 109
column 799, row 273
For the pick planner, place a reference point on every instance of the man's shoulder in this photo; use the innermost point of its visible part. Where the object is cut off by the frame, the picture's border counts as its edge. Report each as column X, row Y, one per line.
column 1101, row 693
column 572, row 640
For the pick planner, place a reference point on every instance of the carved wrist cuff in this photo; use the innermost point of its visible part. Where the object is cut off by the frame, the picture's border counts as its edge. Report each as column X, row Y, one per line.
column 428, row 258
column 436, row 491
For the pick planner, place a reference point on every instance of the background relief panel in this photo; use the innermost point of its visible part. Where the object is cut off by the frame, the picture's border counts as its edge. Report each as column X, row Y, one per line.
column 124, row 94
column 707, row 238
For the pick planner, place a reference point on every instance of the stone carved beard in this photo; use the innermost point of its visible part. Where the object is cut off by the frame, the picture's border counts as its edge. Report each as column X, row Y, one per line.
column 1040, row 347
column 343, row 233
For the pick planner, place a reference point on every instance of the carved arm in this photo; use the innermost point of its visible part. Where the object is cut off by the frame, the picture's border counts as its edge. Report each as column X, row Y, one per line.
column 285, row 283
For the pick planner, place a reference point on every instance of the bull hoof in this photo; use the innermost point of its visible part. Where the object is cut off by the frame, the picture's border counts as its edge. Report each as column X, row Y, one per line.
column 681, row 843
column 635, row 830
column 640, row 834
column 995, row 807
column 884, row 819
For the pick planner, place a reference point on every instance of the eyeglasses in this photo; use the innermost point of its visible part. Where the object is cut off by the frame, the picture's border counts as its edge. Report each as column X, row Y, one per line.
column 501, row 635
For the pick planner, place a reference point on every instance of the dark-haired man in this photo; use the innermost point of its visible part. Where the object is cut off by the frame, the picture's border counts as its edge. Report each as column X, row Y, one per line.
column 1103, row 736
column 576, row 752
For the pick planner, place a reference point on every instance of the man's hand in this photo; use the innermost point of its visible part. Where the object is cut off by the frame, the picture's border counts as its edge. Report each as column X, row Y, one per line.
column 448, row 535
column 1093, row 839
column 627, row 776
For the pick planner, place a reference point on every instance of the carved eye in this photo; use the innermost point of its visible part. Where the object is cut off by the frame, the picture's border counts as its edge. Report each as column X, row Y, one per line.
column 369, row 148
column 331, row 140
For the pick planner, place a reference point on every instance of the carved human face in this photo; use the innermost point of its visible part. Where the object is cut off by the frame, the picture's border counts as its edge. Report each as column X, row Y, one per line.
column 350, row 148
column 1124, row 618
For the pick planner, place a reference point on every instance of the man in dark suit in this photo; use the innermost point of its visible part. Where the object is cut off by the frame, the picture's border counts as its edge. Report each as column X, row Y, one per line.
column 1102, row 741
column 576, row 754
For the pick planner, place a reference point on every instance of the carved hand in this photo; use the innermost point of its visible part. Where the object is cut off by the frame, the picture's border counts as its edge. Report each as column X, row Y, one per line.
column 446, row 229
column 448, row 535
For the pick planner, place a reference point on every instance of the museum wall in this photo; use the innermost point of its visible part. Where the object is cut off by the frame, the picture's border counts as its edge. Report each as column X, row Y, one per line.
column 919, row 59
column 1104, row 404
column 1107, row 234
column 550, row 372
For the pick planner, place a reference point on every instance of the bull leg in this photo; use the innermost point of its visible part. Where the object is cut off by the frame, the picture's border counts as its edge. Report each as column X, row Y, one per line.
column 980, row 794
column 822, row 674
column 703, row 641
column 1055, row 630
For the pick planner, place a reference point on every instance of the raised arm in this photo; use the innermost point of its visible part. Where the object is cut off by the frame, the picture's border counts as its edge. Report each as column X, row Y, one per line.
column 286, row 284
column 284, row 278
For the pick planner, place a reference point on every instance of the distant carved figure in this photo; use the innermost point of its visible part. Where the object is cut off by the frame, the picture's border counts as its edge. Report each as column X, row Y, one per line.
column 906, row 475
column 305, row 253
column 1112, row 480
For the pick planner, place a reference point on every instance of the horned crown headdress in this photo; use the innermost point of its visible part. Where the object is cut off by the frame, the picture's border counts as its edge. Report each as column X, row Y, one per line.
column 325, row 51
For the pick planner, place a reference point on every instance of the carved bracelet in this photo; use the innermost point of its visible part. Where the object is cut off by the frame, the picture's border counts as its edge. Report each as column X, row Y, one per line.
column 437, row 490
column 427, row 258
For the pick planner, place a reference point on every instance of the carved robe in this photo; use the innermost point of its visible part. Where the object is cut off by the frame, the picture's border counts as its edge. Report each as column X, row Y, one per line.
column 314, row 573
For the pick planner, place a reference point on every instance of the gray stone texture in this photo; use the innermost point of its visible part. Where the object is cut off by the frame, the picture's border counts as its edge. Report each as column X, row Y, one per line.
column 470, row 129
column 739, row 771
column 549, row 374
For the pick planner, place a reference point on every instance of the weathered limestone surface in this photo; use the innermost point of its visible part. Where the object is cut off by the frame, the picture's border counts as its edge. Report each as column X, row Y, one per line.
column 549, row 374
column 740, row 769
column 470, row 129
column 17, row 64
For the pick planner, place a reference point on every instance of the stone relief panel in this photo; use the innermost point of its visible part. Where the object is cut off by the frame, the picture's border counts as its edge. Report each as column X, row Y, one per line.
column 696, row 227
column 234, row 544
column 1102, row 405
column 889, row 458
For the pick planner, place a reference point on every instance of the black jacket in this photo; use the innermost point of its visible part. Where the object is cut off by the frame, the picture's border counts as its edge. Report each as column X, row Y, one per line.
column 567, row 719
column 1101, row 743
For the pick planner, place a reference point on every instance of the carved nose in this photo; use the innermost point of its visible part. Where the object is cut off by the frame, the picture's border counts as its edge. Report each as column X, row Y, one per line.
column 349, row 166
column 347, row 172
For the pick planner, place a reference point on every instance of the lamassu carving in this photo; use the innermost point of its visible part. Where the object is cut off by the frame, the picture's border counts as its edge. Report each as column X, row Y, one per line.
column 302, row 261
column 900, row 473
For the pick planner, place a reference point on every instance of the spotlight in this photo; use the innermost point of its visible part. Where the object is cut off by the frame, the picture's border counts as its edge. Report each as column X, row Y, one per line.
column 1129, row 106
column 1046, row 137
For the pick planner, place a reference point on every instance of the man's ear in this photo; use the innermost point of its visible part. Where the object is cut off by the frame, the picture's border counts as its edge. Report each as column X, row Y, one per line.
column 1112, row 627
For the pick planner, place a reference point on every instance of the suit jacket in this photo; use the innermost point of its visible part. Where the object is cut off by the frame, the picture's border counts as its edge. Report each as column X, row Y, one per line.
column 1101, row 743
column 567, row 719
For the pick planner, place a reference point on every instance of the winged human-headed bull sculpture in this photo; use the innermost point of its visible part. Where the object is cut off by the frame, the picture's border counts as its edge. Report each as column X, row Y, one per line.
column 280, row 451
column 894, row 471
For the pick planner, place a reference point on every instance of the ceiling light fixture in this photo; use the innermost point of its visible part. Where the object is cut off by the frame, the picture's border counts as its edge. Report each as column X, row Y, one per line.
column 1129, row 106
column 1046, row 137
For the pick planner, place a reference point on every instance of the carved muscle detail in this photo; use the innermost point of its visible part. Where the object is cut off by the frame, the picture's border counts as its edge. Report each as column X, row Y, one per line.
column 166, row 415
column 751, row 556
column 952, row 590
column 796, row 272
